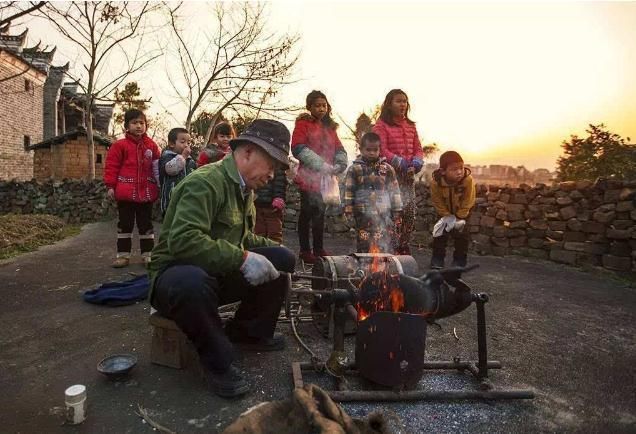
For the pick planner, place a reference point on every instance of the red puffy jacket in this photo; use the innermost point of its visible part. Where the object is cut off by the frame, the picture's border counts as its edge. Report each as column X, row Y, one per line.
column 398, row 140
column 313, row 143
column 132, row 169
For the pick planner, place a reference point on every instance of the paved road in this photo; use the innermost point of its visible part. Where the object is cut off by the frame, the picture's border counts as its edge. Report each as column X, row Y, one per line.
column 567, row 334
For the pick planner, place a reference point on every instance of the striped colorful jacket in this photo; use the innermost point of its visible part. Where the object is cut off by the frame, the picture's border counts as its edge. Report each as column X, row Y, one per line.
column 372, row 187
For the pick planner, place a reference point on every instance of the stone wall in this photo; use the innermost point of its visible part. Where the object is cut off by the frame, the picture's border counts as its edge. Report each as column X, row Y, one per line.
column 577, row 223
column 75, row 201
column 21, row 96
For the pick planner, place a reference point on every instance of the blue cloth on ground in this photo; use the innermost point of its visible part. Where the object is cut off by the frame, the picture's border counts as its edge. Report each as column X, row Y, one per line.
column 119, row 293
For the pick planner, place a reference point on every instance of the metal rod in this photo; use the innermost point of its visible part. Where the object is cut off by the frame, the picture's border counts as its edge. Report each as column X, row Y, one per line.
column 297, row 375
column 442, row 364
column 482, row 345
column 437, row 364
column 412, row 395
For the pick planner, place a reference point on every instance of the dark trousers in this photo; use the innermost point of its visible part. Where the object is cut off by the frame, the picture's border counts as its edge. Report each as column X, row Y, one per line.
column 409, row 211
column 129, row 212
column 269, row 223
column 461, row 240
column 312, row 214
column 191, row 297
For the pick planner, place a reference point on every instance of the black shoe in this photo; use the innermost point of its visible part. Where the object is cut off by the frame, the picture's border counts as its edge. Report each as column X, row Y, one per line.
column 275, row 343
column 437, row 263
column 227, row 384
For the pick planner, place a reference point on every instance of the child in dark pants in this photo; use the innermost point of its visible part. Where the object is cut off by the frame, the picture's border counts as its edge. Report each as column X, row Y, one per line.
column 131, row 175
column 270, row 207
column 453, row 195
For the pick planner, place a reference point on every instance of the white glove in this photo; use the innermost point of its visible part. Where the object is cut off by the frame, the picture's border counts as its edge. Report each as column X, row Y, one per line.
column 459, row 225
column 445, row 223
column 257, row 269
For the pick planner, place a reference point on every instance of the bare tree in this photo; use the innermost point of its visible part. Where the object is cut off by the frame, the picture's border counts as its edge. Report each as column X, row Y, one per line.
column 10, row 11
column 240, row 67
column 110, row 39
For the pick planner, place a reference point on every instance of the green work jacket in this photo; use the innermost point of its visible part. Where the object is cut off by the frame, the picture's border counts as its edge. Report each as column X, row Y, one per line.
column 208, row 223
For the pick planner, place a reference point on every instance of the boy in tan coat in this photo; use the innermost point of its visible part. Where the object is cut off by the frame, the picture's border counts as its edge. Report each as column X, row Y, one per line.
column 453, row 195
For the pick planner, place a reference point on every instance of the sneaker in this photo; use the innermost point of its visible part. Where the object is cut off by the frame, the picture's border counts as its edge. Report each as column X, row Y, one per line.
column 437, row 263
column 275, row 343
column 321, row 252
column 307, row 257
column 227, row 384
column 120, row 262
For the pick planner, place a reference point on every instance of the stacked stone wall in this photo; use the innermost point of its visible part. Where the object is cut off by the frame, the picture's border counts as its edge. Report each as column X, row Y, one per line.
column 576, row 223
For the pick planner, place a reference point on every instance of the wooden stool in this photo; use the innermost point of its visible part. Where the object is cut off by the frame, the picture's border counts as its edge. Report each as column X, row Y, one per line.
column 170, row 347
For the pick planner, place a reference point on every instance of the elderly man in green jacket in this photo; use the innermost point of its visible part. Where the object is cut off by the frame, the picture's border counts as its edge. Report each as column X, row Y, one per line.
column 207, row 256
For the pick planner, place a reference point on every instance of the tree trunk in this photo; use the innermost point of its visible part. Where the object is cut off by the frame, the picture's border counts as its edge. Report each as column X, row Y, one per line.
column 91, row 142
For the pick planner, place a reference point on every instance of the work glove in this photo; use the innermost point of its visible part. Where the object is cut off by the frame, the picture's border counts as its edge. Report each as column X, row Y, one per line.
column 417, row 164
column 459, row 225
column 278, row 203
column 257, row 269
column 446, row 223
column 400, row 164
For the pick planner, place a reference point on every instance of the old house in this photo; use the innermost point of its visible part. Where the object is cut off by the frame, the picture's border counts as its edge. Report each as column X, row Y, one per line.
column 23, row 72
column 42, row 123
column 64, row 151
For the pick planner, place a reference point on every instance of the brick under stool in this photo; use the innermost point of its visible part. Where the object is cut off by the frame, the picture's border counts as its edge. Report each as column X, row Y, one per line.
column 170, row 347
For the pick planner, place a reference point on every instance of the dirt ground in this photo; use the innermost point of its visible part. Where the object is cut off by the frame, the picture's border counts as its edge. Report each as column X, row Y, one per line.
column 565, row 333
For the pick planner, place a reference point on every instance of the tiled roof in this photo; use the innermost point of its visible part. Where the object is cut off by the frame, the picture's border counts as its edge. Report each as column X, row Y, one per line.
column 71, row 135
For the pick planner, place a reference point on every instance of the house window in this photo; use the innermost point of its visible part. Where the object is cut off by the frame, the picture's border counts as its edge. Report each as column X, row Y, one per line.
column 27, row 142
column 98, row 160
column 28, row 86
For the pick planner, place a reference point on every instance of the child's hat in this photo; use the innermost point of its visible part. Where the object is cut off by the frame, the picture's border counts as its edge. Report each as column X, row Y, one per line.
column 448, row 158
column 272, row 136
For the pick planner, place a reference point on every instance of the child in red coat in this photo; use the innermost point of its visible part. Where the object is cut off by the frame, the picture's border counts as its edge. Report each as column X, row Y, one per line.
column 220, row 145
column 131, row 175
column 316, row 145
column 401, row 147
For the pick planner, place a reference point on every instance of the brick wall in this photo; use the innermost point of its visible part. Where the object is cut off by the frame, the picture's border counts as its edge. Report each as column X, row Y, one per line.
column 68, row 160
column 20, row 115
column 42, row 164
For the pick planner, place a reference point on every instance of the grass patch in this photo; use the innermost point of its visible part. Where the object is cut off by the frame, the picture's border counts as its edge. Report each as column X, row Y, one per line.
column 21, row 233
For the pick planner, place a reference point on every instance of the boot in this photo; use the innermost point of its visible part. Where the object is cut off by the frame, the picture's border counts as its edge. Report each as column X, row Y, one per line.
column 307, row 257
column 321, row 252
column 437, row 263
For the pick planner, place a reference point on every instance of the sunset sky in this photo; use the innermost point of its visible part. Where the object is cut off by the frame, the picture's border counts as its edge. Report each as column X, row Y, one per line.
column 501, row 83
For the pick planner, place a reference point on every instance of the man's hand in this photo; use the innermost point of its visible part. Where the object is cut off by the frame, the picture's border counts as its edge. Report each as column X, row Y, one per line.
column 111, row 194
column 278, row 203
column 257, row 269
